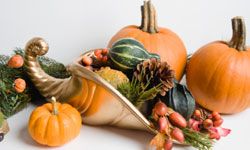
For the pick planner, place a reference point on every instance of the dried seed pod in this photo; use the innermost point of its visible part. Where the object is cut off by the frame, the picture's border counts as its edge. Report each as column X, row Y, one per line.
column 178, row 135
column 168, row 144
column 163, row 124
column 177, row 119
column 160, row 108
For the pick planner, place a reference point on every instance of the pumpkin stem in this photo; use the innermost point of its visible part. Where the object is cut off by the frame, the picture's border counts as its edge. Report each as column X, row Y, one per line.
column 149, row 20
column 54, row 106
column 238, row 40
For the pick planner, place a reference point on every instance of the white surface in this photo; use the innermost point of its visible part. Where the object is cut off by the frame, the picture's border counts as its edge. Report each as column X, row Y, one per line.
column 73, row 26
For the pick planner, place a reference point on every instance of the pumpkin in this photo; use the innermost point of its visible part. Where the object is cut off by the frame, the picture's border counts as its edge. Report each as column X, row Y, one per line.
column 218, row 75
column 16, row 61
column 54, row 124
column 19, row 85
column 155, row 39
column 125, row 54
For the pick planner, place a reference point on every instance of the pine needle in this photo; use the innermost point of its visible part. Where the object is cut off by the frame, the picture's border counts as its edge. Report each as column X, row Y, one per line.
column 138, row 92
column 198, row 140
column 12, row 102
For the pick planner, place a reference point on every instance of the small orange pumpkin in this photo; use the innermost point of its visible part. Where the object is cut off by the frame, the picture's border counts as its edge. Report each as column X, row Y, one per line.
column 16, row 61
column 19, row 85
column 155, row 39
column 218, row 74
column 54, row 124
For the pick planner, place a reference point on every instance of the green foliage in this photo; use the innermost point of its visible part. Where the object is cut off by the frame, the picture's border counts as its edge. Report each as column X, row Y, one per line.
column 138, row 92
column 50, row 66
column 198, row 140
column 12, row 102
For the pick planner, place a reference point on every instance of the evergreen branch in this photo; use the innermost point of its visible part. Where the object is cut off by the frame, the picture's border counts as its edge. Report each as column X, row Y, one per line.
column 138, row 92
column 12, row 102
column 198, row 140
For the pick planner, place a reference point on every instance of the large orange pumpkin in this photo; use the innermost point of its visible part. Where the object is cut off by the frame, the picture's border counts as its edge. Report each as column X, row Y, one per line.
column 156, row 39
column 218, row 74
column 54, row 124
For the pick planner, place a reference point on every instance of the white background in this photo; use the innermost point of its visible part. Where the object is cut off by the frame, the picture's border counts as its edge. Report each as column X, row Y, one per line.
column 74, row 26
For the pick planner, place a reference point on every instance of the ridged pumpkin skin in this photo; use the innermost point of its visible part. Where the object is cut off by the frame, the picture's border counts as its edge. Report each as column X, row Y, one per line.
column 157, row 40
column 54, row 130
column 218, row 75
column 164, row 43
column 218, row 78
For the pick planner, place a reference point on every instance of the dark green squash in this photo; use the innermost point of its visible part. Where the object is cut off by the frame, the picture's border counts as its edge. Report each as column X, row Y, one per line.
column 180, row 99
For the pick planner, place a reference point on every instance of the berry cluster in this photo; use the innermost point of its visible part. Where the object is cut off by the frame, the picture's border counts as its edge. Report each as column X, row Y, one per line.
column 208, row 122
column 169, row 124
column 99, row 56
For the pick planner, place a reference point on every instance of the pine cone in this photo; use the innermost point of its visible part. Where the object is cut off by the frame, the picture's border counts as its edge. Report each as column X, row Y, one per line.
column 155, row 72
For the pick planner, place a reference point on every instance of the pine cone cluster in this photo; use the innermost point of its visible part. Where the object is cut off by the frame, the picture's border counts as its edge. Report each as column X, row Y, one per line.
column 153, row 72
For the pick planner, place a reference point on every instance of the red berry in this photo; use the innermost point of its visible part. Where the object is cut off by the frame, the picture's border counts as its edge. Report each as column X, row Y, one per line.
column 98, row 52
column 215, row 113
column 105, row 51
column 168, row 144
column 217, row 117
column 87, row 61
column 105, row 58
column 16, row 61
column 177, row 120
column 218, row 123
column 208, row 123
column 197, row 114
column 160, row 108
column 163, row 124
column 99, row 57
column 178, row 135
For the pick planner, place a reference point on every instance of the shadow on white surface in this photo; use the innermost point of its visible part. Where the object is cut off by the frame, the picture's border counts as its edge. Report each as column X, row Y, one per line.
column 24, row 137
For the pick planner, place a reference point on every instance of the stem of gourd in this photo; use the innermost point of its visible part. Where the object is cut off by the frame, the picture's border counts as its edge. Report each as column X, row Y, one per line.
column 54, row 106
column 149, row 20
column 238, row 40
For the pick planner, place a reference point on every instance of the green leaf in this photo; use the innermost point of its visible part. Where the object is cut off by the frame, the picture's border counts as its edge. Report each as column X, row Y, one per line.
column 181, row 100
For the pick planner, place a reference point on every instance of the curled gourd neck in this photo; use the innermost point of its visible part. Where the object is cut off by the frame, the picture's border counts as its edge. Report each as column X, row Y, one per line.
column 149, row 20
column 238, row 40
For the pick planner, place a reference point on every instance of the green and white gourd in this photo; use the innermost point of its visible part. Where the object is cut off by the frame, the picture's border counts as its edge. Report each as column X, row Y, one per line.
column 126, row 53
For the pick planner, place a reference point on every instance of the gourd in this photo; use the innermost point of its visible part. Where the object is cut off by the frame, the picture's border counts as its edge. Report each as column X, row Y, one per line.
column 157, row 40
column 54, row 124
column 126, row 53
column 218, row 74
column 180, row 99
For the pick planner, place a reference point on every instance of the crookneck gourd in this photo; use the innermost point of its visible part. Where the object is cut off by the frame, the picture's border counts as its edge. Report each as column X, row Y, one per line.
column 98, row 101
